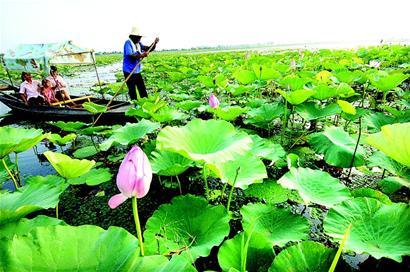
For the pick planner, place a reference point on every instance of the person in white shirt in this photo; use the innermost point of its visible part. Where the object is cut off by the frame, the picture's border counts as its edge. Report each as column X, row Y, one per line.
column 58, row 84
column 30, row 90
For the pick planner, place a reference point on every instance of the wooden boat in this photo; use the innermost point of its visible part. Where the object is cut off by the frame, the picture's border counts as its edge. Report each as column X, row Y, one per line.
column 65, row 111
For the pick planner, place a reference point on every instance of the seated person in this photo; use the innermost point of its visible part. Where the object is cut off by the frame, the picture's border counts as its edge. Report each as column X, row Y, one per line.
column 58, row 84
column 48, row 92
column 30, row 90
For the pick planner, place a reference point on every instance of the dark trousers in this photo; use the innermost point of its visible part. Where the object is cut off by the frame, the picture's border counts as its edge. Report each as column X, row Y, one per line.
column 35, row 101
column 136, row 80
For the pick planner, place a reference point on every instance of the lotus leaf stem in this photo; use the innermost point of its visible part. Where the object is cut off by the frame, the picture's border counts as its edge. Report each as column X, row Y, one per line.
column 339, row 251
column 16, row 162
column 179, row 184
column 57, row 211
column 206, row 182
column 10, row 174
column 355, row 149
column 233, row 187
column 137, row 224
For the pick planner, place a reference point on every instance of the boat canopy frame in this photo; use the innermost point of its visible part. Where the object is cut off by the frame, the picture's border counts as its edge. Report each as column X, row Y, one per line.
column 39, row 57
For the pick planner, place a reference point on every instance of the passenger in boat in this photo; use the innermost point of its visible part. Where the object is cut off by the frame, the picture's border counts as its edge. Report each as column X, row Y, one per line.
column 58, row 84
column 134, row 52
column 48, row 92
column 30, row 90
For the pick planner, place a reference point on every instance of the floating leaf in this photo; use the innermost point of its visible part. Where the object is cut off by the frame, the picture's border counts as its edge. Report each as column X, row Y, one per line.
column 337, row 146
column 57, row 139
column 304, row 256
column 274, row 225
column 93, row 177
column 189, row 225
column 39, row 193
column 69, row 126
column 68, row 167
column 393, row 140
column 315, row 186
column 85, row 152
column 377, row 229
column 94, row 108
column 129, row 133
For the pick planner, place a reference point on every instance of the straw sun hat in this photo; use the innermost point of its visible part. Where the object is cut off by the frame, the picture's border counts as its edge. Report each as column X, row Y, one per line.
column 136, row 31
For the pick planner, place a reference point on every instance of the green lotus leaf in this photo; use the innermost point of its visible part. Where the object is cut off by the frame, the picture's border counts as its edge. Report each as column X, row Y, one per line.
column 312, row 111
column 241, row 89
column 266, row 149
column 271, row 192
column 18, row 139
column 137, row 111
column 265, row 73
column 180, row 96
column 377, row 229
column 188, row 225
column 349, row 77
column 347, row 107
column 387, row 82
column 83, row 248
column 294, row 83
column 39, row 193
column 259, row 254
column 229, row 113
column 245, row 76
column 376, row 120
column 94, row 108
column 381, row 160
column 167, row 114
column 391, row 185
column 207, row 81
column 24, row 226
column 165, row 163
column 177, row 263
column 337, row 146
column 371, row 193
column 67, row 167
column 94, row 130
column 265, row 114
column 69, row 126
column 304, row 256
column 204, row 141
column 315, row 186
column 243, row 170
column 188, row 105
column 93, row 177
column 323, row 92
column 344, row 90
column 274, row 225
column 57, row 139
column 85, row 152
column 129, row 134
column 393, row 140
column 176, row 76
column 297, row 97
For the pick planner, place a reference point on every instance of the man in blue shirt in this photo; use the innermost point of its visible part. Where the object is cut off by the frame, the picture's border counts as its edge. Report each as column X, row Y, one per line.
column 134, row 52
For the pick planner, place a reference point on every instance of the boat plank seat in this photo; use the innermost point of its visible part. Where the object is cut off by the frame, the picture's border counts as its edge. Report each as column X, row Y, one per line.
column 87, row 97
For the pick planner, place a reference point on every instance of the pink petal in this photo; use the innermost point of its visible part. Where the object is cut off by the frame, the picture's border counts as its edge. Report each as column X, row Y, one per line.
column 116, row 200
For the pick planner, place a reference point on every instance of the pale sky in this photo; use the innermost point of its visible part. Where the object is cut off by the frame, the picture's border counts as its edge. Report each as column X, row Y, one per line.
column 104, row 25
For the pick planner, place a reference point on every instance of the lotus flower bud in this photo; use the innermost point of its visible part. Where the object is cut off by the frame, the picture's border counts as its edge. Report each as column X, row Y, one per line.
column 213, row 101
column 374, row 64
column 293, row 64
column 133, row 178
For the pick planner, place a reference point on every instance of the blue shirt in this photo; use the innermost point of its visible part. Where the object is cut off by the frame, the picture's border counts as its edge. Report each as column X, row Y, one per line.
column 129, row 63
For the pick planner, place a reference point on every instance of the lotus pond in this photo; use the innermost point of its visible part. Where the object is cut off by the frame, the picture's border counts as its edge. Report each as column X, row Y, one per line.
column 293, row 160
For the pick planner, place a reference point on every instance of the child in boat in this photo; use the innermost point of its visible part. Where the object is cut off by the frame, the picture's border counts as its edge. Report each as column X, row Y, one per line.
column 58, row 84
column 30, row 90
column 48, row 92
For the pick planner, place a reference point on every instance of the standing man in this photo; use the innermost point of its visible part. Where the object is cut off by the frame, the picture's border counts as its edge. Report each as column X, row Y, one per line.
column 134, row 52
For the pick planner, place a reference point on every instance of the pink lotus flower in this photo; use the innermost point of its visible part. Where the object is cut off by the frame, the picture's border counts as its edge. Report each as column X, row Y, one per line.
column 133, row 178
column 293, row 64
column 374, row 64
column 213, row 101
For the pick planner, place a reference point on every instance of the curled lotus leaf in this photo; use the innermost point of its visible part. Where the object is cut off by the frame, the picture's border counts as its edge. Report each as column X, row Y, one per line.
column 18, row 139
column 68, row 167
